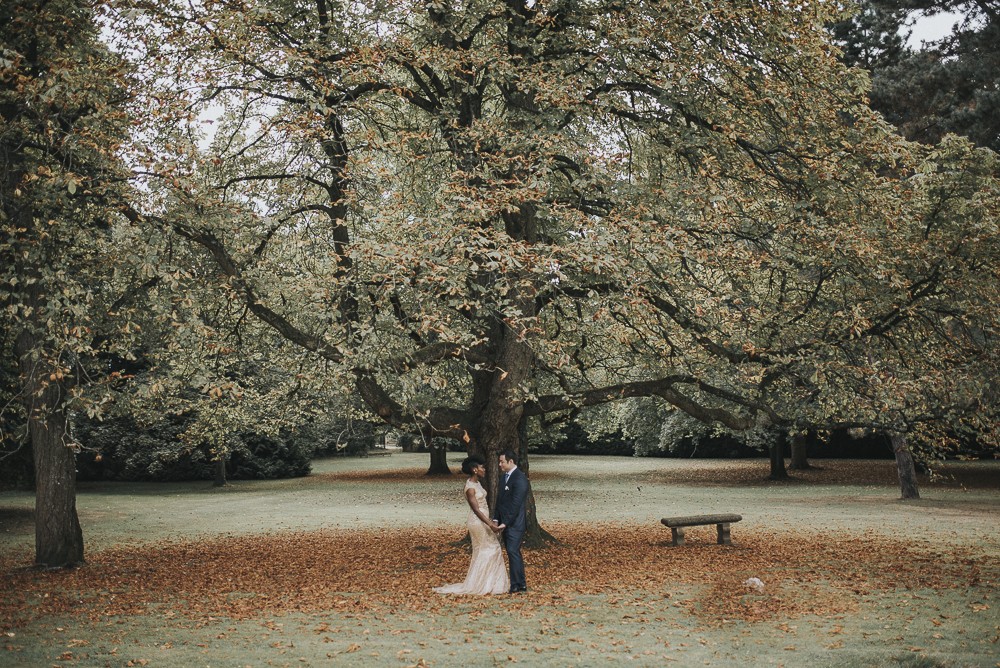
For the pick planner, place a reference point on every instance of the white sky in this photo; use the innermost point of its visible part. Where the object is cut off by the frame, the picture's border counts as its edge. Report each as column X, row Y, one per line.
column 930, row 28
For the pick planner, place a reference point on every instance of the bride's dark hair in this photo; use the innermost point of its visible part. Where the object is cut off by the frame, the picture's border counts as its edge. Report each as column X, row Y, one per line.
column 470, row 463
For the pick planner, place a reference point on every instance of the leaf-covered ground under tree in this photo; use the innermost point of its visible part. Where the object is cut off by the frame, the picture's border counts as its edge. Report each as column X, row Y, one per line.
column 887, row 590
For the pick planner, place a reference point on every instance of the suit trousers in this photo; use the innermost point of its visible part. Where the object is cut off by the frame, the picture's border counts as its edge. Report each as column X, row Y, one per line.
column 512, row 539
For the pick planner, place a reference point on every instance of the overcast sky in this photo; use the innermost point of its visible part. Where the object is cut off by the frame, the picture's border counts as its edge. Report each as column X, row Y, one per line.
column 930, row 28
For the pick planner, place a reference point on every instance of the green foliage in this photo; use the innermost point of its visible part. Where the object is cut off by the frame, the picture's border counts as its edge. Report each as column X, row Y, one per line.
column 65, row 291
column 64, row 101
column 15, row 451
column 447, row 444
column 872, row 37
column 641, row 421
column 470, row 214
column 411, row 442
column 336, row 436
column 258, row 456
column 574, row 439
column 16, row 468
column 122, row 449
column 653, row 430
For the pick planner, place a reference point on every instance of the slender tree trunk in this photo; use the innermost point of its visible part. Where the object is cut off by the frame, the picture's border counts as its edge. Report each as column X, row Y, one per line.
column 439, row 460
column 778, row 471
column 799, row 460
column 904, row 466
column 220, row 471
column 58, row 535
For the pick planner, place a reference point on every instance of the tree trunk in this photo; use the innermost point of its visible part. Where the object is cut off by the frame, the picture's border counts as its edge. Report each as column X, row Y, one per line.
column 778, row 471
column 799, row 460
column 904, row 467
column 220, row 472
column 502, row 425
column 534, row 536
column 58, row 535
column 439, row 460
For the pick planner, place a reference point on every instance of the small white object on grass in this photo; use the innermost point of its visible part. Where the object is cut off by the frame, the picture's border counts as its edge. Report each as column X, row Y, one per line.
column 754, row 583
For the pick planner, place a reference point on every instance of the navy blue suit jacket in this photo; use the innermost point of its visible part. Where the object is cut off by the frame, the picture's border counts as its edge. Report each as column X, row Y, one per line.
column 511, row 499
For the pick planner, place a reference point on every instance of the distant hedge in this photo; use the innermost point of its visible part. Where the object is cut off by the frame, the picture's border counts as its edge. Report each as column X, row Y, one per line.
column 121, row 449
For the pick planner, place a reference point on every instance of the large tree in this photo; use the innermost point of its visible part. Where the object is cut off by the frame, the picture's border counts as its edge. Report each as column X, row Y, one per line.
column 62, row 121
column 472, row 213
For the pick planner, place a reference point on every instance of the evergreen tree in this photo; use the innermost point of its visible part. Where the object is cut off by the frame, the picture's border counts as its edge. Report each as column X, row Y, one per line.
column 947, row 85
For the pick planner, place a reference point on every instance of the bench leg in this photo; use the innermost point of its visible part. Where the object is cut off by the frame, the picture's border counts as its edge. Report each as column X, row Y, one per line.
column 678, row 536
column 723, row 531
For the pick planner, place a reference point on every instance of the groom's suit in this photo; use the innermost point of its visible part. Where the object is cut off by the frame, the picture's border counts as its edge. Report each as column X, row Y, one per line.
column 511, row 499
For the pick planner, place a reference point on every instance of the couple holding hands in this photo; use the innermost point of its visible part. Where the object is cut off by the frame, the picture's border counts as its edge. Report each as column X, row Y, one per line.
column 487, row 574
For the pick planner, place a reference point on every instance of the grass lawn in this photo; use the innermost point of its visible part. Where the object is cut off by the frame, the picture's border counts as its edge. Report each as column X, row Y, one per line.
column 336, row 568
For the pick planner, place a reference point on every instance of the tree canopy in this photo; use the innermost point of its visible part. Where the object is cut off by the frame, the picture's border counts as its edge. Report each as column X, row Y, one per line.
column 64, row 107
column 478, row 212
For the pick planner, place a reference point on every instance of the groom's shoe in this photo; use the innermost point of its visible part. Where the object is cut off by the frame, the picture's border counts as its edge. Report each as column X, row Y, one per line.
column 519, row 590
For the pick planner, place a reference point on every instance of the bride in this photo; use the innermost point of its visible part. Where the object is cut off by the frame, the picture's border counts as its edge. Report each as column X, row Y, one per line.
column 487, row 573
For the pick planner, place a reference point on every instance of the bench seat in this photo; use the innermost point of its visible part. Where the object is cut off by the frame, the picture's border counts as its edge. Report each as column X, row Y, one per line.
column 721, row 522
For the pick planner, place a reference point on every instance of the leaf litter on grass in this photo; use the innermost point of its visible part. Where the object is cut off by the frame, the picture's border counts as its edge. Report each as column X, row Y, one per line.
column 366, row 572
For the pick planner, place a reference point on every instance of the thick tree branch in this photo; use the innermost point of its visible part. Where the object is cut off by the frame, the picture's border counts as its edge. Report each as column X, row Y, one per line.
column 662, row 387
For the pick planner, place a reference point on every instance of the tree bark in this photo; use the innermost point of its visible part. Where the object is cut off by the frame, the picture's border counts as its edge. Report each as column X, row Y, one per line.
column 778, row 471
column 439, row 460
column 904, row 467
column 534, row 536
column 58, row 534
column 502, row 425
column 800, row 461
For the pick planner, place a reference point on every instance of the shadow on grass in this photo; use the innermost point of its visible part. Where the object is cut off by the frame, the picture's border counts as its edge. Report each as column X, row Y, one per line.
column 17, row 519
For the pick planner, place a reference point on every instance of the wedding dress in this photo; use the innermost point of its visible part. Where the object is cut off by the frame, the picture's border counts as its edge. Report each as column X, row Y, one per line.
column 487, row 572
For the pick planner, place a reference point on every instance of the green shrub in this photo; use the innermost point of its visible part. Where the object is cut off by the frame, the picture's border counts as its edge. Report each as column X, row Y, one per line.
column 121, row 449
column 16, row 467
column 345, row 437
column 259, row 457
column 411, row 443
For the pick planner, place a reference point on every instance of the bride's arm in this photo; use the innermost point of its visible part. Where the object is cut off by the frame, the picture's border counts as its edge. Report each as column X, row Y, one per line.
column 470, row 496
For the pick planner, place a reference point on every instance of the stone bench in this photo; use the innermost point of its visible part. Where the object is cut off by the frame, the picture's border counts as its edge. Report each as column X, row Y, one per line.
column 721, row 523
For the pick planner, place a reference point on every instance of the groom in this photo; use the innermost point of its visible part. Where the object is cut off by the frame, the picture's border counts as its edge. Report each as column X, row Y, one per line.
column 511, row 498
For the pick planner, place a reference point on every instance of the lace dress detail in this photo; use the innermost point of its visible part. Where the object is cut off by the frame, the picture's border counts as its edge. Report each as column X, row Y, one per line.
column 487, row 572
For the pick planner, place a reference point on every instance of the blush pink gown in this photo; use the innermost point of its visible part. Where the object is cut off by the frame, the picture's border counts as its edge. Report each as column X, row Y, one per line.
column 487, row 572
